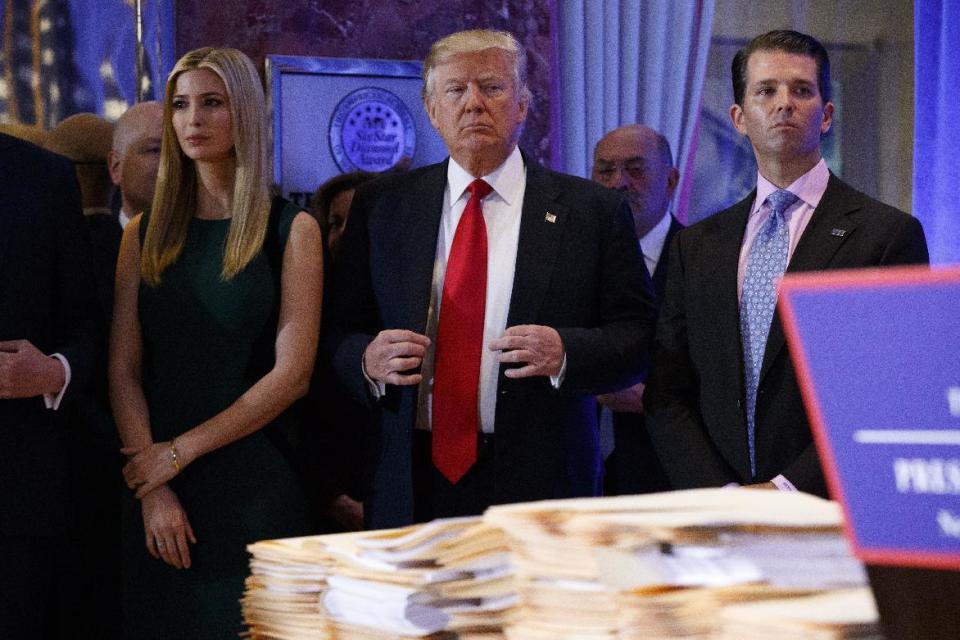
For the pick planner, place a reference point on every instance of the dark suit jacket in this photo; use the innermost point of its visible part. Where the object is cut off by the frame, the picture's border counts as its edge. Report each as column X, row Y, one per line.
column 48, row 298
column 581, row 274
column 99, row 436
column 633, row 466
column 659, row 275
column 695, row 397
column 105, row 234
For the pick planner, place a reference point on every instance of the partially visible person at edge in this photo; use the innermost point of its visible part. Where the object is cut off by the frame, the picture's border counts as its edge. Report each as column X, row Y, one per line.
column 214, row 334
column 50, row 352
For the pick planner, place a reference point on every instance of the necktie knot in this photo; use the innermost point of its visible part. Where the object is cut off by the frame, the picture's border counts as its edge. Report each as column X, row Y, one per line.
column 780, row 201
column 479, row 189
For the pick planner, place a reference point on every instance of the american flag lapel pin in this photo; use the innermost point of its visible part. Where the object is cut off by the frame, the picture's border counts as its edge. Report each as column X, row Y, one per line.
column 550, row 217
column 838, row 232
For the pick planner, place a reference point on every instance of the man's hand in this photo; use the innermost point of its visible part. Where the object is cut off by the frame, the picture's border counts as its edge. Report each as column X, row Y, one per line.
column 26, row 372
column 391, row 353
column 539, row 348
column 629, row 400
column 347, row 512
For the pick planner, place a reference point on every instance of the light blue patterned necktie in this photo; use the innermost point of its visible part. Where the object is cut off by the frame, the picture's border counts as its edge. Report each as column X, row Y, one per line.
column 766, row 264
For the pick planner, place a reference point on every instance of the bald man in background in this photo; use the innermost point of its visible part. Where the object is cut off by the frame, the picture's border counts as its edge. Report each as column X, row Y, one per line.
column 135, row 157
column 636, row 160
column 133, row 161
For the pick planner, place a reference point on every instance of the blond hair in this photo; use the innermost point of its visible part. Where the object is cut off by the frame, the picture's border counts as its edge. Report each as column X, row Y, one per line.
column 175, row 199
column 473, row 41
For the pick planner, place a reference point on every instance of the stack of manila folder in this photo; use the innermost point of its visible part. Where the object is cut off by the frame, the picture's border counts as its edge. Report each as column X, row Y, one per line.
column 718, row 564
column 442, row 579
column 668, row 565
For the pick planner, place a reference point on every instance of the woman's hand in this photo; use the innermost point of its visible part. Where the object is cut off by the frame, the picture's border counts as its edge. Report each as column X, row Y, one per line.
column 151, row 466
column 166, row 527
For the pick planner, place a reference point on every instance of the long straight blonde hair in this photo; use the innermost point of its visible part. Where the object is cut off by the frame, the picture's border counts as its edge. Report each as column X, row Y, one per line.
column 175, row 198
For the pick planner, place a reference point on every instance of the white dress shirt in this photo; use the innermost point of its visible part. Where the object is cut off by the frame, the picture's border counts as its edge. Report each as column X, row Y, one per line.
column 651, row 244
column 501, row 214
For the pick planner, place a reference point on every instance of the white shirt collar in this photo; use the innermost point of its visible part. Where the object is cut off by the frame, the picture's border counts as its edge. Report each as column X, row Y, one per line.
column 505, row 179
column 652, row 243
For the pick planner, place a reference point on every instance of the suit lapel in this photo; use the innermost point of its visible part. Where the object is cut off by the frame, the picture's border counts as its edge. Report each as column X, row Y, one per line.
column 829, row 227
column 719, row 263
column 721, row 266
column 420, row 216
column 541, row 226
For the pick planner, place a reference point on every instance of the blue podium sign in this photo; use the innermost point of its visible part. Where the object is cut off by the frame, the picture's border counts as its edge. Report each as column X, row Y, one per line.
column 877, row 355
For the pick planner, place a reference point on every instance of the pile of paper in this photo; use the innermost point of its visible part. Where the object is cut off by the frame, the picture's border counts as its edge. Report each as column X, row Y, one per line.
column 287, row 578
column 665, row 565
column 447, row 576
column 839, row 615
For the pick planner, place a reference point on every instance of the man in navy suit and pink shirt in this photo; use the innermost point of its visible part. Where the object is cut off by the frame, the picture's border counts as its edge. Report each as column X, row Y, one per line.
column 723, row 405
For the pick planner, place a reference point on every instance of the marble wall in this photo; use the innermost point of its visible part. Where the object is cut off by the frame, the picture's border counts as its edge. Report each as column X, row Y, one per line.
column 397, row 29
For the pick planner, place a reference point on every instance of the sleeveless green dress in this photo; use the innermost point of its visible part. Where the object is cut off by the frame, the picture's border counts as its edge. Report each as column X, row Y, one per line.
column 205, row 342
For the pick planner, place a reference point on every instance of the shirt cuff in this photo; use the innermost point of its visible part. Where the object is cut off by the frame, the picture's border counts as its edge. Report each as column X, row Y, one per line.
column 52, row 400
column 557, row 380
column 783, row 484
column 377, row 389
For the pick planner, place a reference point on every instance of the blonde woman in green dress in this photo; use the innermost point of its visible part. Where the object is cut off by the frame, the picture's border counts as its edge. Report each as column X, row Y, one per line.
column 214, row 335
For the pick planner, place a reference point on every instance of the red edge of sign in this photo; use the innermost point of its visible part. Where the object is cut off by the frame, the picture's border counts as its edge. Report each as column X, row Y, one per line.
column 848, row 279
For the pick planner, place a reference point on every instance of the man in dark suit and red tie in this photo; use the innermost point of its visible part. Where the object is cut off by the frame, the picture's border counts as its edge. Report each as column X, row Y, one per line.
column 50, row 349
column 722, row 400
column 637, row 160
column 482, row 302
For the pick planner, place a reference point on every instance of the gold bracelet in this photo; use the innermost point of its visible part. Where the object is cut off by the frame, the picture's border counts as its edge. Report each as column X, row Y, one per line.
column 174, row 455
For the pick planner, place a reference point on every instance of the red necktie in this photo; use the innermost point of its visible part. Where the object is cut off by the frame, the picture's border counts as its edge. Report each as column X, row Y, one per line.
column 456, row 370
